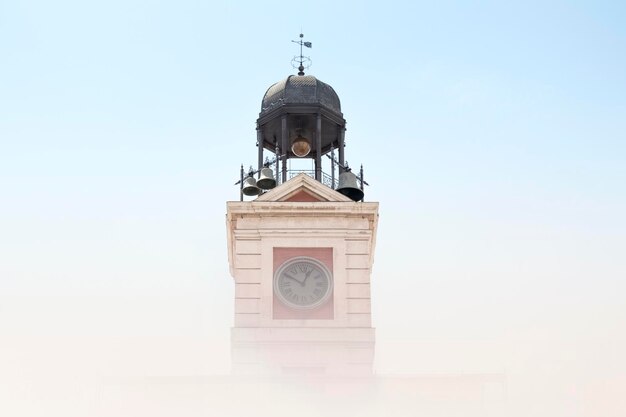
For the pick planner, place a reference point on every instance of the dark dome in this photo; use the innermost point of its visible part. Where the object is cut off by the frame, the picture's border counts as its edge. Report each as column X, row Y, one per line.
column 300, row 89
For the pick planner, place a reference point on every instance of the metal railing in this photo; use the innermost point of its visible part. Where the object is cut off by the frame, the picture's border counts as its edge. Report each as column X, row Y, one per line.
column 327, row 179
column 331, row 181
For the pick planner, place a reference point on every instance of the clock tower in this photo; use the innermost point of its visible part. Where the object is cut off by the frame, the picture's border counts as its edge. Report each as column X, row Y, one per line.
column 302, row 248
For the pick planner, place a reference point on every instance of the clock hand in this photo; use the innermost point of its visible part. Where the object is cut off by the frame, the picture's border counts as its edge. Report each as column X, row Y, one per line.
column 306, row 276
column 297, row 280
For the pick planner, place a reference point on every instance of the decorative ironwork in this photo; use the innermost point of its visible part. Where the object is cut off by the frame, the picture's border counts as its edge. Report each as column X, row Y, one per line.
column 327, row 179
column 304, row 61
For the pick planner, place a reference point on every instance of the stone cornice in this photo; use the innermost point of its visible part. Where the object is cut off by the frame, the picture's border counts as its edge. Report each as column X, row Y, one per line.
column 302, row 209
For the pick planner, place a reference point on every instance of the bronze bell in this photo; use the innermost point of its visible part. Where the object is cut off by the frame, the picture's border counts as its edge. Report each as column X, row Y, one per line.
column 348, row 186
column 249, row 187
column 267, row 180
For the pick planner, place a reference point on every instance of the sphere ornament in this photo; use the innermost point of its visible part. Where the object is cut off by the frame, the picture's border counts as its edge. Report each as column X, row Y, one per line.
column 300, row 146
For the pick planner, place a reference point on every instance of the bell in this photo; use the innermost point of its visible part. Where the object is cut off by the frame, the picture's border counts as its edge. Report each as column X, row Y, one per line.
column 267, row 180
column 300, row 146
column 249, row 187
column 348, row 186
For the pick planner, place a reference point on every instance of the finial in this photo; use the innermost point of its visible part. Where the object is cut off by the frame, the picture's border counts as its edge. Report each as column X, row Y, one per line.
column 303, row 62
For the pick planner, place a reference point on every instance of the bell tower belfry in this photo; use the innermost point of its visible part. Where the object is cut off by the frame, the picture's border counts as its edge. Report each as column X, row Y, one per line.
column 301, row 251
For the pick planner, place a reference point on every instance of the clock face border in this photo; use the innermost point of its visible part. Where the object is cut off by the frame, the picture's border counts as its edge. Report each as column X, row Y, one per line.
column 318, row 264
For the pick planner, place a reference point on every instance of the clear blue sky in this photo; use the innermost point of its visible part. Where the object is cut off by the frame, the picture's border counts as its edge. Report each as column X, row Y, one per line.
column 492, row 133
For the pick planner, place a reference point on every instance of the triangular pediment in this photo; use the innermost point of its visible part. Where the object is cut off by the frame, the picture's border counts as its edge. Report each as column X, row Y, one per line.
column 303, row 188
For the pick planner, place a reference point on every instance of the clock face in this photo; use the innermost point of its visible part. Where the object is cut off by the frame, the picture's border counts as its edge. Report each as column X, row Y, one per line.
column 303, row 283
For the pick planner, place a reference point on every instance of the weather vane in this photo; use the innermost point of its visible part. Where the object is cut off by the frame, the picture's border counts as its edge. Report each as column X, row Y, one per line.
column 303, row 61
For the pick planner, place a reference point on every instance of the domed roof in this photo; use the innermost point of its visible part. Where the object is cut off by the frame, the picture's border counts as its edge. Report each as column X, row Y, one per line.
column 300, row 89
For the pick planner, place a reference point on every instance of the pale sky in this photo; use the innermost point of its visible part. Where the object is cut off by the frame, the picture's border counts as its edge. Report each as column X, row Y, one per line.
column 492, row 134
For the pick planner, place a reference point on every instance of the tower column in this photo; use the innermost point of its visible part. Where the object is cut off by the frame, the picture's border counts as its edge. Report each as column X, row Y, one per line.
column 259, row 143
column 285, row 145
column 342, row 138
column 318, row 148
column 277, row 153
